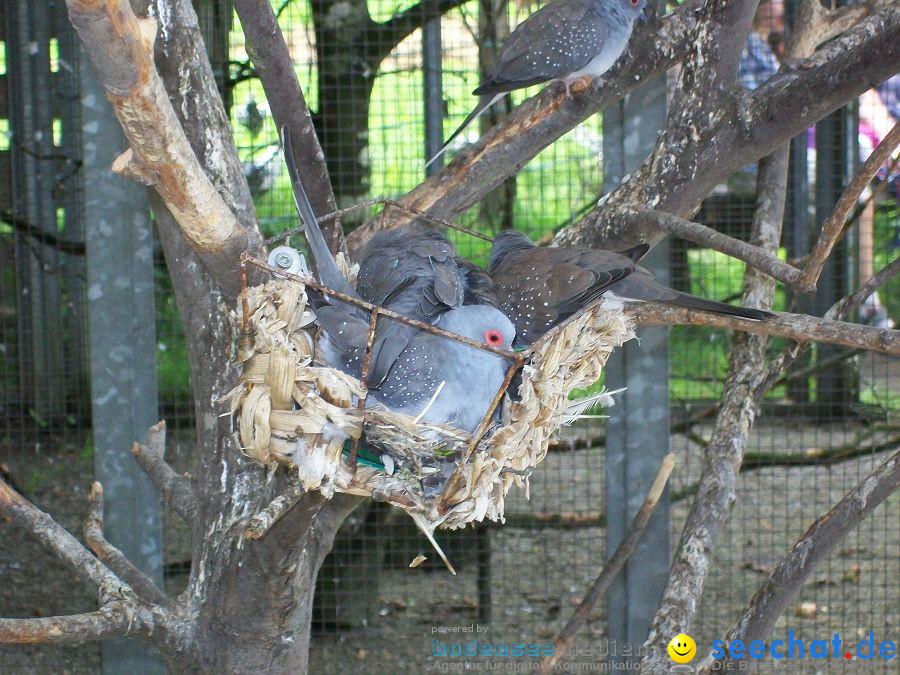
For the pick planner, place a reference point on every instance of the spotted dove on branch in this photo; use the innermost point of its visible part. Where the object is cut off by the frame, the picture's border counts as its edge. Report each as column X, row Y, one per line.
column 539, row 288
column 453, row 383
column 564, row 40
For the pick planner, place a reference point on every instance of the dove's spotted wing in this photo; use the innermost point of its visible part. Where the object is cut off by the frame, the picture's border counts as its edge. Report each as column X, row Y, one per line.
column 558, row 39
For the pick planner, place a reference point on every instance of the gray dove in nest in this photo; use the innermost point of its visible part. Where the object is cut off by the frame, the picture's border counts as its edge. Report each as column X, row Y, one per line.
column 416, row 272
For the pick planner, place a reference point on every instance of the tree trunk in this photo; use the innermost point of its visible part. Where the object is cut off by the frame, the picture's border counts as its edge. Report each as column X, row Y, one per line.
column 251, row 600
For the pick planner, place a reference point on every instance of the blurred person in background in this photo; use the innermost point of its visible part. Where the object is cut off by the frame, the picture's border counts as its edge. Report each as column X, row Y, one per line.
column 879, row 110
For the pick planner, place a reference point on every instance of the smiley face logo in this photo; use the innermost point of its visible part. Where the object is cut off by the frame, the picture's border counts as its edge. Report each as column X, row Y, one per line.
column 682, row 648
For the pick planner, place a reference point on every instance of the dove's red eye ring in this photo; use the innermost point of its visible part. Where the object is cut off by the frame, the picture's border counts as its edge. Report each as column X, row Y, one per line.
column 634, row 3
column 493, row 337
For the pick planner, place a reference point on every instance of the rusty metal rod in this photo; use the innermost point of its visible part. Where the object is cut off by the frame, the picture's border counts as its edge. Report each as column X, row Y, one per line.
column 481, row 429
column 437, row 221
column 518, row 358
column 486, row 420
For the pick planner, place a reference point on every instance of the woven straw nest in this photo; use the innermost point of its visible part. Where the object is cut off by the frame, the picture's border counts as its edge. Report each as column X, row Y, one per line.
column 300, row 415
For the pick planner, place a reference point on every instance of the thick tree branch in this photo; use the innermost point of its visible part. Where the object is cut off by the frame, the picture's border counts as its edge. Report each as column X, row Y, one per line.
column 182, row 61
column 272, row 60
column 814, row 25
column 833, row 227
column 799, row 327
column 121, row 48
column 706, row 80
column 113, row 620
column 538, row 122
column 721, row 41
column 176, row 490
column 758, row 619
column 112, row 556
column 709, row 238
column 263, row 521
column 382, row 38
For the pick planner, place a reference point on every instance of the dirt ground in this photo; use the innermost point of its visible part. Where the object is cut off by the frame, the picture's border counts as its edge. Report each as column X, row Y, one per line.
column 383, row 617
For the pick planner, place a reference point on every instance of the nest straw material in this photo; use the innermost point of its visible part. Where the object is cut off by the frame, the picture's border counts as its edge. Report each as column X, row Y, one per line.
column 301, row 415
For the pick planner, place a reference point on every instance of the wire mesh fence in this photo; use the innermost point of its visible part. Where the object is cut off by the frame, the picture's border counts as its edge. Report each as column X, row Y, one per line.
column 823, row 426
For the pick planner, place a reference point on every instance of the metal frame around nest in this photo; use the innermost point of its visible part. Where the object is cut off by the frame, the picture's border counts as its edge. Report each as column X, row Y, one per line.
column 452, row 485
column 518, row 357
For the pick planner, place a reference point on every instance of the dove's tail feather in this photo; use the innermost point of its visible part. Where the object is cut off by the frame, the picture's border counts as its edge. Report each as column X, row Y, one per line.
column 326, row 267
column 479, row 109
column 636, row 252
column 693, row 302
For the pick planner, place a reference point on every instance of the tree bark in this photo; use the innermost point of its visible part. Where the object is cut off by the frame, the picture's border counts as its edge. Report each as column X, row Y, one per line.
column 246, row 597
column 735, row 130
column 248, row 604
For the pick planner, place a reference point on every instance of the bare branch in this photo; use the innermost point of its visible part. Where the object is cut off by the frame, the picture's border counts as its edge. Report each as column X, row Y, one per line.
column 838, row 311
column 706, row 81
column 851, row 302
column 834, row 225
column 753, row 461
column 745, row 384
column 90, row 570
column 755, row 125
column 269, row 53
column 799, row 327
column 176, row 490
column 708, row 237
column 122, row 612
column 816, row 544
column 113, row 620
column 263, row 521
column 613, row 566
column 114, row 558
column 42, row 236
column 121, row 48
